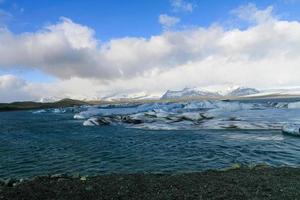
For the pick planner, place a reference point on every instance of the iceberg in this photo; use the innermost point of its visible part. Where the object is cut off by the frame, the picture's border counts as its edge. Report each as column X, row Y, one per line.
column 96, row 122
column 294, row 105
column 39, row 111
column 292, row 129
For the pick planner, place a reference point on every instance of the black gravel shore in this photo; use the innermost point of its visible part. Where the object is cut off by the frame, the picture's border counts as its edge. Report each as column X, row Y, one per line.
column 260, row 182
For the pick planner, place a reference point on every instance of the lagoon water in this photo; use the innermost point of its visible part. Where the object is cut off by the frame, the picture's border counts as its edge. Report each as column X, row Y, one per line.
column 48, row 142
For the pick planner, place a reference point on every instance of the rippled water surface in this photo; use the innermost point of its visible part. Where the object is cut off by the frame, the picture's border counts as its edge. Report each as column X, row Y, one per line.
column 54, row 142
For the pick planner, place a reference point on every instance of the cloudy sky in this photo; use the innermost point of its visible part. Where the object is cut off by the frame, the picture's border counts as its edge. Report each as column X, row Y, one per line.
column 90, row 49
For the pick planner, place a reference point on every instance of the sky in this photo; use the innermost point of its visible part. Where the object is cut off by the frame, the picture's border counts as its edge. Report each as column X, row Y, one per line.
column 92, row 49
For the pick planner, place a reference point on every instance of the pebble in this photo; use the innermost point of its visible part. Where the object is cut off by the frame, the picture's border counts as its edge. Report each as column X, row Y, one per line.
column 76, row 175
column 1, row 182
column 89, row 188
column 9, row 182
column 57, row 176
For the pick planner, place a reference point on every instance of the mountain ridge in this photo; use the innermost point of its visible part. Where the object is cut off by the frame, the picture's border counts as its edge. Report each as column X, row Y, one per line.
column 197, row 92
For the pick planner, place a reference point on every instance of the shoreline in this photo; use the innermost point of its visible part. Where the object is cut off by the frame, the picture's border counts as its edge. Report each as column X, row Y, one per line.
column 236, row 182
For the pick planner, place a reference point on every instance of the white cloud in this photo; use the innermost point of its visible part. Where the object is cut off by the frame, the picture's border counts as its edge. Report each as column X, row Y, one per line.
column 250, row 13
column 12, row 89
column 168, row 21
column 263, row 55
column 182, row 5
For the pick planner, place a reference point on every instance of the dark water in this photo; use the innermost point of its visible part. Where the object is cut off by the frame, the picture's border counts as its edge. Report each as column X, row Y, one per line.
column 56, row 143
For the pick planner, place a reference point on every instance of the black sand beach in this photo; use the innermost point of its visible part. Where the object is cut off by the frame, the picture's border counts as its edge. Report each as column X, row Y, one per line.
column 260, row 182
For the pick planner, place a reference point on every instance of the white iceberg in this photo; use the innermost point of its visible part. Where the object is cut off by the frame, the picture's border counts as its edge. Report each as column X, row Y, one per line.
column 39, row 111
column 96, row 122
column 292, row 129
column 91, row 122
column 294, row 105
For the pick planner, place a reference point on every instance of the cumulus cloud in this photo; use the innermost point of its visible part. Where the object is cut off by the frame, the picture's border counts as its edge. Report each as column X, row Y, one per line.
column 168, row 21
column 182, row 5
column 266, row 54
column 250, row 13
column 13, row 89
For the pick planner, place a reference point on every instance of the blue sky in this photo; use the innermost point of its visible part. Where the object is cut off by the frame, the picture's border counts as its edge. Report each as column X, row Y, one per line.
column 126, row 46
column 119, row 18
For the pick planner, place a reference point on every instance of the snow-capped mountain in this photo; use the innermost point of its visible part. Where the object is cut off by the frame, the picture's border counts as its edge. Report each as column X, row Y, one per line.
column 278, row 92
column 130, row 96
column 243, row 91
column 188, row 92
column 197, row 92
column 48, row 99
column 226, row 92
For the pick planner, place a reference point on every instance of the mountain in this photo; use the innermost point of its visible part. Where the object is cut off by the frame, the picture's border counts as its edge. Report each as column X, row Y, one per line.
column 243, row 91
column 48, row 99
column 188, row 92
column 285, row 92
column 128, row 97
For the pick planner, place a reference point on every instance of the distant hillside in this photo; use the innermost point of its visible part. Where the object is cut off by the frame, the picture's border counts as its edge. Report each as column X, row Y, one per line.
column 28, row 105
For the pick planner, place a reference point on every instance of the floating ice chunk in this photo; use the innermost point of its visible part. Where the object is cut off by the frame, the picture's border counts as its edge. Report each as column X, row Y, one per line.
column 96, row 122
column 278, row 104
column 207, row 115
column 39, row 111
column 131, row 120
column 193, row 116
column 55, row 110
column 58, row 110
column 79, row 116
column 294, row 105
column 91, row 122
column 292, row 129
column 94, row 111
column 233, row 106
column 161, row 113
column 205, row 104
column 218, row 104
